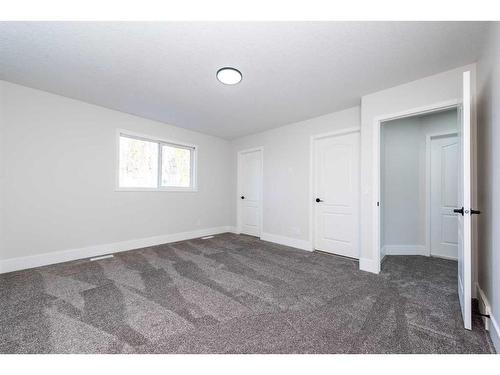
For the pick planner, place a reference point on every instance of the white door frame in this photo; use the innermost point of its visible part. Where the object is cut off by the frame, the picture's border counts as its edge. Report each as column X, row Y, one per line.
column 428, row 140
column 312, row 187
column 437, row 107
column 238, row 188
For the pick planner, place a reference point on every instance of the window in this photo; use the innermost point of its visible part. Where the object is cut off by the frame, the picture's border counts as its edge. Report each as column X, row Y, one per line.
column 138, row 163
column 149, row 164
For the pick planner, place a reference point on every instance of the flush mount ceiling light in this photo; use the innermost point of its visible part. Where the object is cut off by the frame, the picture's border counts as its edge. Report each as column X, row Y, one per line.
column 229, row 76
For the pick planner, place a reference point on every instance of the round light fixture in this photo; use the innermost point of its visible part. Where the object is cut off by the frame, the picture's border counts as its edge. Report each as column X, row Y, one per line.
column 229, row 76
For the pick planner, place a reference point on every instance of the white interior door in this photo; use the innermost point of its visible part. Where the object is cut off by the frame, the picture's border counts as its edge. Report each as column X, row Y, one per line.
column 336, row 186
column 464, row 204
column 250, row 194
column 444, row 196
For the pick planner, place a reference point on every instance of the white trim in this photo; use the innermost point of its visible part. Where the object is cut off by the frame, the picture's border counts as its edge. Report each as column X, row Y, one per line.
column 101, row 257
column 161, row 142
column 336, row 133
column 410, row 250
column 382, row 254
column 443, row 257
column 312, row 188
column 485, row 303
column 474, row 181
column 238, row 181
column 405, row 250
column 428, row 140
column 20, row 263
column 369, row 265
column 153, row 138
column 287, row 241
column 161, row 189
column 484, row 306
column 467, row 201
column 418, row 111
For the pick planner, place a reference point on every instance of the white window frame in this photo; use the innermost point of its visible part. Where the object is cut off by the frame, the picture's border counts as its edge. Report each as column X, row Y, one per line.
column 161, row 142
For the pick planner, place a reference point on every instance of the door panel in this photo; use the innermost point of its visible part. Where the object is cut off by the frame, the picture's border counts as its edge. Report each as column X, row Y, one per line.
column 338, row 194
column 449, row 173
column 449, row 234
column 250, row 183
column 337, row 227
column 336, row 184
column 464, row 201
column 444, row 196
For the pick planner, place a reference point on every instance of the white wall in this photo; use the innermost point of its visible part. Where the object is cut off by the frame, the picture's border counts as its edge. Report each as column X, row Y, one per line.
column 428, row 91
column 489, row 176
column 440, row 122
column 286, row 199
column 403, row 180
column 400, row 202
column 59, row 178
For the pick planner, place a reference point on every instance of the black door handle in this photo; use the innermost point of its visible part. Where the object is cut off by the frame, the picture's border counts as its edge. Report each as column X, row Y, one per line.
column 459, row 211
column 318, row 200
column 475, row 212
column 242, row 197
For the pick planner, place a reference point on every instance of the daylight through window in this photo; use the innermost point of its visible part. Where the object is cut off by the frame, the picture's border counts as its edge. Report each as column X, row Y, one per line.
column 148, row 164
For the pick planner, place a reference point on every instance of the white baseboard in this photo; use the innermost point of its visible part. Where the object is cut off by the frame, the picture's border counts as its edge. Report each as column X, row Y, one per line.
column 369, row 265
column 287, row 241
column 404, row 250
column 231, row 229
column 20, row 263
column 490, row 324
column 443, row 257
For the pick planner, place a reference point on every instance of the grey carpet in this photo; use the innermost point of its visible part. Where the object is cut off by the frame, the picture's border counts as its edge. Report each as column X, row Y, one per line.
column 235, row 294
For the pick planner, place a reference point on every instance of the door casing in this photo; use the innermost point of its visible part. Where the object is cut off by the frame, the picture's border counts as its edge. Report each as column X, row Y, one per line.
column 438, row 107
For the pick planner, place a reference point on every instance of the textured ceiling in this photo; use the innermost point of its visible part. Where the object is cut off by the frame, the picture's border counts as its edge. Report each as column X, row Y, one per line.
column 292, row 71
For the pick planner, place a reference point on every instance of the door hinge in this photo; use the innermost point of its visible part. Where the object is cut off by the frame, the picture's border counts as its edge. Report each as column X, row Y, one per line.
column 378, row 204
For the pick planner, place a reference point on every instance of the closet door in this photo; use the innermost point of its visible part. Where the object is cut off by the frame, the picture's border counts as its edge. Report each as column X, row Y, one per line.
column 444, row 196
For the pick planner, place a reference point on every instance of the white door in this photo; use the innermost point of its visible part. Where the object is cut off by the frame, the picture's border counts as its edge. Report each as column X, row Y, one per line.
column 249, row 196
column 444, row 196
column 464, row 204
column 336, row 187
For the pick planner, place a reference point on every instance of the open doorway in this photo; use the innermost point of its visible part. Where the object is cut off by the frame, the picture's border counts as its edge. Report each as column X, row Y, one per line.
column 419, row 189
column 465, row 184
